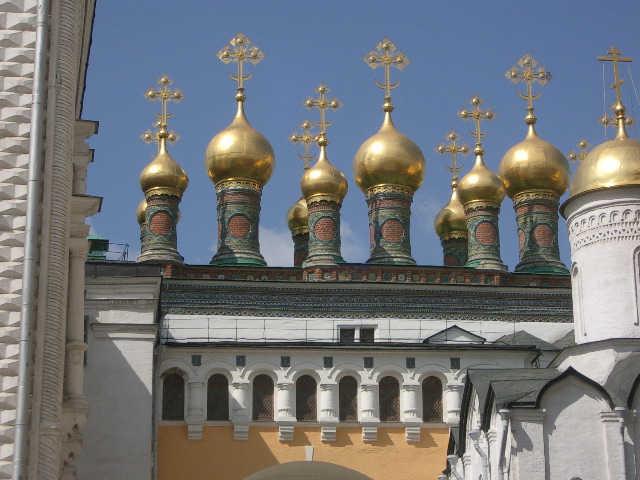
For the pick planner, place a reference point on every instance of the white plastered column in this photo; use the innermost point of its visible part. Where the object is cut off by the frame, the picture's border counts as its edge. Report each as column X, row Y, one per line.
column 195, row 410
column 328, row 411
column 410, row 411
column 369, row 411
column 239, row 410
column 284, row 402
column 452, row 403
column 74, row 406
column 528, row 429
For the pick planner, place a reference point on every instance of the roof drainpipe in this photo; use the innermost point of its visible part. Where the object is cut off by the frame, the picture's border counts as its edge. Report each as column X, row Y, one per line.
column 621, row 412
column 453, row 461
column 32, row 242
column 475, row 438
column 505, row 415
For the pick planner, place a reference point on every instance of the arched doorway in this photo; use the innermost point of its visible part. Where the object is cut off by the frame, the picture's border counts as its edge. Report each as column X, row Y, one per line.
column 307, row 471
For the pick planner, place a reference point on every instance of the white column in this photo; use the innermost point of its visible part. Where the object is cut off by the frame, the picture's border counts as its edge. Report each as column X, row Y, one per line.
column 452, row 403
column 239, row 411
column 528, row 429
column 195, row 410
column 328, row 411
column 284, row 404
column 369, row 411
column 410, row 411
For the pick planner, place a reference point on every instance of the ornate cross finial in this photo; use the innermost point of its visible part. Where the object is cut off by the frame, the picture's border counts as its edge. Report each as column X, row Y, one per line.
column 322, row 104
column 578, row 157
column 306, row 139
column 477, row 114
column 388, row 56
column 614, row 52
column 239, row 52
column 164, row 94
column 529, row 73
column 453, row 149
column 618, row 108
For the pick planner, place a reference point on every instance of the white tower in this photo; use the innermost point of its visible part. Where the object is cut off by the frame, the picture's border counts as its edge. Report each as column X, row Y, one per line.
column 603, row 222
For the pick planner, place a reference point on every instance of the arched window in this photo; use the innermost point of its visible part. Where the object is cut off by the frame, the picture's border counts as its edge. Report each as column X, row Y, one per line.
column 431, row 400
column 218, row 397
column 306, row 410
column 173, row 397
column 389, row 400
column 263, row 399
column 348, row 399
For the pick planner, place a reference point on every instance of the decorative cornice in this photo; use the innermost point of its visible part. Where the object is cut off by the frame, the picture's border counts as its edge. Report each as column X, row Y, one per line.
column 323, row 198
column 231, row 183
column 537, row 195
column 388, row 189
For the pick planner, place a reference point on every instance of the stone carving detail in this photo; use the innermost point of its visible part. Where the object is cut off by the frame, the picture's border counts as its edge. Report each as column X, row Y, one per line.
column 617, row 224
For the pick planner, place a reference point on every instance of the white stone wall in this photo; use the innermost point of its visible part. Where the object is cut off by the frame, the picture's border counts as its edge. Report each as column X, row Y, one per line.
column 604, row 231
column 122, row 331
column 215, row 328
column 17, row 42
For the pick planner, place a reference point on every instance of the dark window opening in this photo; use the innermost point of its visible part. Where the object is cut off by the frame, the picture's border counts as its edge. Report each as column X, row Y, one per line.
column 173, row 397
column 348, row 399
column 306, row 405
column 263, row 399
column 389, row 400
column 218, row 397
column 432, row 400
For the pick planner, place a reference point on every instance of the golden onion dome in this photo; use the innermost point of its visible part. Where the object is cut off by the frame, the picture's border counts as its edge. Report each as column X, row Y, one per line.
column 451, row 218
column 611, row 164
column 534, row 164
column 240, row 151
column 324, row 179
column 298, row 217
column 481, row 183
column 164, row 172
column 389, row 157
column 141, row 212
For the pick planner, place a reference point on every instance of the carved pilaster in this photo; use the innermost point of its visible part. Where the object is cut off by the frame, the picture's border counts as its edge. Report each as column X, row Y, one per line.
column 239, row 412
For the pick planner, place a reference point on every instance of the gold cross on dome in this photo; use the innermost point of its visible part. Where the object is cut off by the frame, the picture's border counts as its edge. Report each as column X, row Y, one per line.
column 306, row 139
column 529, row 73
column 240, row 52
column 453, row 149
column 164, row 94
column 578, row 157
column 614, row 52
column 322, row 104
column 477, row 115
column 388, row 56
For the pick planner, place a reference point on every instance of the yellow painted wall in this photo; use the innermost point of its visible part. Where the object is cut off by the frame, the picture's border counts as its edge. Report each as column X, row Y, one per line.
column 219, row 457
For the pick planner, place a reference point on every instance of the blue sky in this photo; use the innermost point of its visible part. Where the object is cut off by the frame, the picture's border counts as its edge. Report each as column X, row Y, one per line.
column 456, row 48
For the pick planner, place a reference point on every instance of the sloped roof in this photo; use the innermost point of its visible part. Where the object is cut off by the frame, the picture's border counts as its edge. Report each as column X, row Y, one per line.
column 525, row 338
column 567, row 341
column 447, row 335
